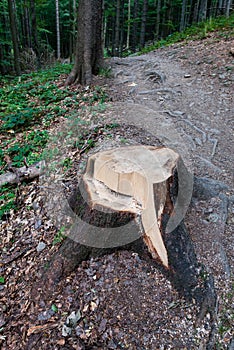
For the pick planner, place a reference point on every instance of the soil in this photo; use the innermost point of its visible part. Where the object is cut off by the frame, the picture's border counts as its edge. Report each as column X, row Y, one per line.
column 181, row 97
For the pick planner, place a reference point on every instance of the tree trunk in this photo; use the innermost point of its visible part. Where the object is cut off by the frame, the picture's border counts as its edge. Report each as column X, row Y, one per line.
column 228, row 8
column 158, row 19
column 196, row 11
column 25, row 26
column 89, row 54
column 129, row 24
column 143, row 23
column 35, row 44
column 117, row 29
column 202, row 11
column 183, row 14
column 135, row 25
column 57, row 29
column 12, row 11
column 220, row 7
column 122, row 29
column 70, row 30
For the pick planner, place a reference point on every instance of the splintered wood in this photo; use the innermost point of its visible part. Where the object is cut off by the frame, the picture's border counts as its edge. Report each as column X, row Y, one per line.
column 133, row 179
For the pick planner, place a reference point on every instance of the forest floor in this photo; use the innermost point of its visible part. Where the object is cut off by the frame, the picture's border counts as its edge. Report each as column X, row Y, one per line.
column 179, row 96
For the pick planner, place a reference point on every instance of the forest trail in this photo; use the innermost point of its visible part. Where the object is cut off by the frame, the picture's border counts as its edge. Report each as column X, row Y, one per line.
column 183, row 96
column 188, row 108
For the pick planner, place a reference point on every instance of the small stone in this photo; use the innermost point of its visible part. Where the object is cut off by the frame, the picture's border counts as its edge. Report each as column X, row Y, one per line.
column 73, row 318
column 213, row 218
column 66, row 331
column 198, row 141
column 37, row 224
column 102, row 325
column 41, row 246
column 222, row 76
column 46, row 315
column 35, row 206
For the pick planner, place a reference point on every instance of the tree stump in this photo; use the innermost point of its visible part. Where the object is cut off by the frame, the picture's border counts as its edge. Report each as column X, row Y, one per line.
column 134, row 180
column 132, row 198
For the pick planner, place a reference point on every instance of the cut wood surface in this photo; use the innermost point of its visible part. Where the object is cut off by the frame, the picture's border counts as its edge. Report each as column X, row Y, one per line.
column 17, row 175
column 139, row 177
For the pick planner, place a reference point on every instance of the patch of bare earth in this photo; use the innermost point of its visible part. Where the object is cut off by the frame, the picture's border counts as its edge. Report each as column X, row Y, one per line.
column 181, row 97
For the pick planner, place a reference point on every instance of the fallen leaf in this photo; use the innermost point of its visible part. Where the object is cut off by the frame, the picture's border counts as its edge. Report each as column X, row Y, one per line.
column 61, row 342
column 93, row 305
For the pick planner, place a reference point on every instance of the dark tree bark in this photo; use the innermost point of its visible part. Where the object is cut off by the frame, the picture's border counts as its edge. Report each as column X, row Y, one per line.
column 203, row 11
column 135, row 25
column 158, row 19
column 58, row 29
column 35, row 44
column 12, row 10
column 89, row 49
column 4, row 47
column 183, row 15
column 129, row 24
column 117, row 29
column 122, row 31
column 228, row 8
column 143, row 23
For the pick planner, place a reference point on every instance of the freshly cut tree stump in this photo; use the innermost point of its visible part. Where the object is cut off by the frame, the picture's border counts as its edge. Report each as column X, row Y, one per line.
column 132, row 198
column 140, row 177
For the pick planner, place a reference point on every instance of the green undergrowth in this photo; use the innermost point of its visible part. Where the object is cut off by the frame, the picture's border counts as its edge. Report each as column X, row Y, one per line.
column 35, row 99
column 222, row 25
column 29, row 106
column 7, row 200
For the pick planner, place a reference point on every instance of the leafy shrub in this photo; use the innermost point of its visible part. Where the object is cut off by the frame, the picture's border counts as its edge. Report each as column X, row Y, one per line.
column 27, row 99
column 30, row 149
column 20, row 120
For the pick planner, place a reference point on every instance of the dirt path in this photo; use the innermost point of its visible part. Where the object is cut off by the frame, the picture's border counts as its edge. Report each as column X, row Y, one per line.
column 187, row 111
column 177, row 96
